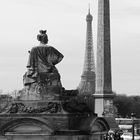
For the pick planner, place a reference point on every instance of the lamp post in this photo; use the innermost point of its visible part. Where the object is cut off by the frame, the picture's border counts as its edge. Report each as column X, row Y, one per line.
column 133, row 131
column 103, row 114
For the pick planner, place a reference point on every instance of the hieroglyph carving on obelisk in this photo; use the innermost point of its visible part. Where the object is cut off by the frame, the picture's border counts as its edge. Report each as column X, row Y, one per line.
column 103, row 94
column 103, row 71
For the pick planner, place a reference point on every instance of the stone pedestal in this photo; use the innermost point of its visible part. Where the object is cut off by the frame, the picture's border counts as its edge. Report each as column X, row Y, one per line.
column 60, row 125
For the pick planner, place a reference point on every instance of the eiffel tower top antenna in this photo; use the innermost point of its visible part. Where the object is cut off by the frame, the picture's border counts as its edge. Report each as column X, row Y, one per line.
column 89, row 8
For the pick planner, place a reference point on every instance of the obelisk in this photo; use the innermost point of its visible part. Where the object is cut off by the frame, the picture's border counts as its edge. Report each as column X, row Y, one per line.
column 103, row 95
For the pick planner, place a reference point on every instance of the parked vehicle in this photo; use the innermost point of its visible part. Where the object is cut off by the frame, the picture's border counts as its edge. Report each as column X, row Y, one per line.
column 128, row 136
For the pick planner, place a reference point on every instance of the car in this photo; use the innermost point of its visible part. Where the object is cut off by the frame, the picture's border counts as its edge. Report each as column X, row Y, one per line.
column 128, row 136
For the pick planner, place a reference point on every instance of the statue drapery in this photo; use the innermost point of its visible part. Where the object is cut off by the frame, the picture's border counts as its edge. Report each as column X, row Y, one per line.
column 42, row 76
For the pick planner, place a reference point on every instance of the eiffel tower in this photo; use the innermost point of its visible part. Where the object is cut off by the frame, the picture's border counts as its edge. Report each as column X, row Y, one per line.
column 87, row 84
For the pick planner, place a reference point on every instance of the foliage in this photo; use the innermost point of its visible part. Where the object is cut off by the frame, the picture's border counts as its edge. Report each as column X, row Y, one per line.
column 127, row 105
column 5, row 100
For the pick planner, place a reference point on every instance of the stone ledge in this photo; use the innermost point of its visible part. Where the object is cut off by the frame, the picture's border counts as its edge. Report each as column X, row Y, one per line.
column 103, row 95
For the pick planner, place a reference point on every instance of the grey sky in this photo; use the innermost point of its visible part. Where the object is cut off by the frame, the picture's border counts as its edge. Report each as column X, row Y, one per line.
column 66, row 26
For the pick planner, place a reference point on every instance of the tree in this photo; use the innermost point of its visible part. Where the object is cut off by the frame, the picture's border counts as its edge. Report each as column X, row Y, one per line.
column 127, row 105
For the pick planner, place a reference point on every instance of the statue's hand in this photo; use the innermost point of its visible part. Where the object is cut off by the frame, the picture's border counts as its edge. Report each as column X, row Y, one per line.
column 51, row 69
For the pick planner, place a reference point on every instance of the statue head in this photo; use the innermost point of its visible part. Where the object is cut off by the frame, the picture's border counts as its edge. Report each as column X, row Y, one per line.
column 42, row 37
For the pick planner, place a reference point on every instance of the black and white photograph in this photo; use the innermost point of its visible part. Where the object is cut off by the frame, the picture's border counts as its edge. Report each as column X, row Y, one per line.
column 69, row 70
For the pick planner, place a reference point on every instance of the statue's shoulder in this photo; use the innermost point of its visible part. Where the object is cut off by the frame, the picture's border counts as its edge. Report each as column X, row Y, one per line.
column 34, row 47
column 43, row 46
column 39, row 47
column 50, row 47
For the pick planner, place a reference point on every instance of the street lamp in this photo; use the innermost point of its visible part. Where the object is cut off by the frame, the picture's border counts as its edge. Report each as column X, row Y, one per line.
column 133, row 131
column 103, row 114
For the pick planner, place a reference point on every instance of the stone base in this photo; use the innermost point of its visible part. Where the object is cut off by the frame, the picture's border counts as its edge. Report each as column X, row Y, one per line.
column 69, row 118
column 53, row 126
column 44, row 137
column 104, row 105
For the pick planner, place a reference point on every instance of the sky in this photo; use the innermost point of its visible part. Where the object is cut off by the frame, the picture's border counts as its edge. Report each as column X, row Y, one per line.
column 21, row 20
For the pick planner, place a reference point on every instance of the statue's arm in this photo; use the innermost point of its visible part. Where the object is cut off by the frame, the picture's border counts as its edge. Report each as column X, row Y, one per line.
column 59, row 56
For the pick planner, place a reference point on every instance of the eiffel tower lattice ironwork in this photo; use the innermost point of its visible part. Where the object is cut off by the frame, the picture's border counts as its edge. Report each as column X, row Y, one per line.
column 87, row 84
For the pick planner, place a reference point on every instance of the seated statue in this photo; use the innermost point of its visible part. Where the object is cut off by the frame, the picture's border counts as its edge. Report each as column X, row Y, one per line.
column 42, row 77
